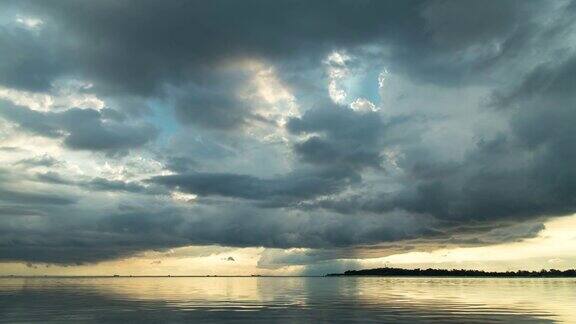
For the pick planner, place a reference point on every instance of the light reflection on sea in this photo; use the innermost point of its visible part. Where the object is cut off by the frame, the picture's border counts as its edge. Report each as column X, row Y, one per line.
column 288, row 299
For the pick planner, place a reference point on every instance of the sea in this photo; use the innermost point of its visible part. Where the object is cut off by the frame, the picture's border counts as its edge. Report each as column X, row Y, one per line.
column 287, row 300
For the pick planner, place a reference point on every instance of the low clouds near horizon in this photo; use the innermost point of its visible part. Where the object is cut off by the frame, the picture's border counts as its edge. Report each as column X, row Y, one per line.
column 349, row 128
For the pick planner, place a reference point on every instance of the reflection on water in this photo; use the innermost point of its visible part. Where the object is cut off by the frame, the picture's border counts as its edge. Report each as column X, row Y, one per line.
column 288, row 300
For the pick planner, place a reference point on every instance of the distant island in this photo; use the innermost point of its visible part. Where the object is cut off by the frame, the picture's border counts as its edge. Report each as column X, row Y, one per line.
column 393, row 272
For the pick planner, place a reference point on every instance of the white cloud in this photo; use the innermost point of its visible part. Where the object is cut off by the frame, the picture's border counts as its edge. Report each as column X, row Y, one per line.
column 337, row 70
column 364, row 105
column 62, row 97
column 29, row 22
column 182, row 196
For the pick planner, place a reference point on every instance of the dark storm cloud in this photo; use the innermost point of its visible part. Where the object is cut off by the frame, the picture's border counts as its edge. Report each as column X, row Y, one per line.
column 93, row 235
column 291, row 187
column 345, row 142
column 138, row 47
column 341, row 136
column 553, row 80
column 33, row 198
column 524, row 174
column 340, row 192
column 72, row 236
column 453, row 25
column 175, row 49
column 481, row 189
column 29, row 61
column 82, row 129
column 520, row 175
column 142, row 44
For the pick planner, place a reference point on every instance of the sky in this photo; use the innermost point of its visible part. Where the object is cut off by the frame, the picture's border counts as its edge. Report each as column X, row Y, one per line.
column 286, row 137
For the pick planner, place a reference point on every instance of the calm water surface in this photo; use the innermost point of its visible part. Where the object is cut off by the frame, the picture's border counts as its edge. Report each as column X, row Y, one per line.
column 290, row 300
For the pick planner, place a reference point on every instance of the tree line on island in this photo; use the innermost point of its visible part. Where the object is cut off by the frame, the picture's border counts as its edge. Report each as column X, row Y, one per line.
column 387, row 272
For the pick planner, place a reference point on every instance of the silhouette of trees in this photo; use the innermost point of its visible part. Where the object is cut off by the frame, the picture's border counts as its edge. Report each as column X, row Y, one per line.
column 552, row 273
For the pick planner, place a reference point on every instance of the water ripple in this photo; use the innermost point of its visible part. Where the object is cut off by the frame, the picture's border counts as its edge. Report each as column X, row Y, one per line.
column 266, row 300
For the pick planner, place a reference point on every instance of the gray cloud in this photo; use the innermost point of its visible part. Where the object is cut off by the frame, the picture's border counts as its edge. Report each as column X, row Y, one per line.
column 98, row 184
column 141, row 52
column 103, row 184
column 342, row 137
column 166, row 37
column 33, row 198
column 39, row 161
column 342, row 180
column 519, row 175
column 215, row 103
column 292, row 187
column 94, row 235
column 81, row 129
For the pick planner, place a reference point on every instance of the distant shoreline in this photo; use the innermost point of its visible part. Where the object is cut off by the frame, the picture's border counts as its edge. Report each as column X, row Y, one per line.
column 378, row 272
column 156, row 276
column 399, row 272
